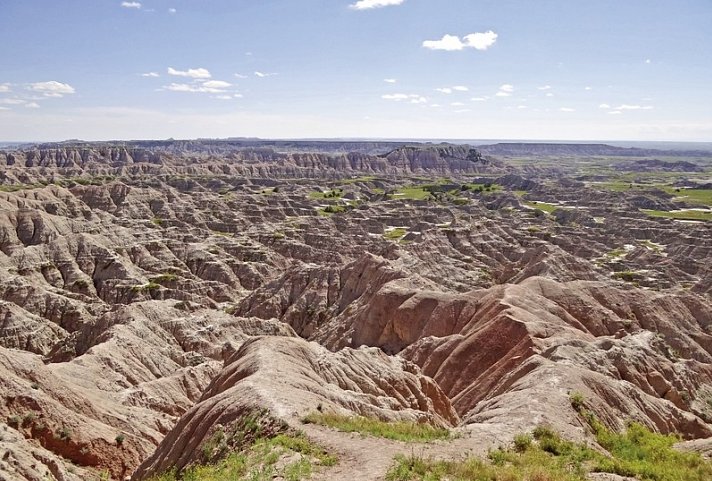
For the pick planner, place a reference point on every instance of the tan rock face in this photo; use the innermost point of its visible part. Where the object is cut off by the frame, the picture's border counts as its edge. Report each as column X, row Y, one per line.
column 290, row 377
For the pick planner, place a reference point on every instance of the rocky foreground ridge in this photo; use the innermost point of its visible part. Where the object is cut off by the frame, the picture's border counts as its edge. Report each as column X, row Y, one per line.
column 150, row 296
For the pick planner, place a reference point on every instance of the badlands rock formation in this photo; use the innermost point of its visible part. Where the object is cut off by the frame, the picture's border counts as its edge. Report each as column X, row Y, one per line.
column 152, row 293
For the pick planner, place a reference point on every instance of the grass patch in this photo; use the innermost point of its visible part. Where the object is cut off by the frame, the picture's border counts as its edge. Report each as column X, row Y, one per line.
column 259, row 462
column 542, row 206
column 331, row 209
column 329, row 194
column 399, row 431
column 680, row 215
column 411, row 193
column 545, row 456
column 395, row 234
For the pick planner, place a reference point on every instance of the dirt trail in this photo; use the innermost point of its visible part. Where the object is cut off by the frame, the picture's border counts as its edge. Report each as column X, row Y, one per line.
column 367, row 458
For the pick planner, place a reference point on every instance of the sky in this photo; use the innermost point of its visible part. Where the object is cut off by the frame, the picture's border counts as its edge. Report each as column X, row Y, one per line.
column 415, row 69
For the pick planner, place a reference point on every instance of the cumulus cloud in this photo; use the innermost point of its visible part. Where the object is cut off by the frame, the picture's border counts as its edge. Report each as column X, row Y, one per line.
column 444, row 90
column 369, row 4
column 460, row 88
column 588, row 88
column 457, row 104
column 647, row 60
column 412, row 98
column 390, row 80
column 32, row 105
column 216, row 84
column 11, row 101
column 478, row 41
column 196, row 73
column 521, row 107
column 4, row 108
column 544, row 87
column 567, row 109
column 479, row 99
column 263, row 75
column 604, row 106
column 4, row 88
column 210, row 87
column 505, row 90
column 172, row 10
column 135, row 5
column 239, row 75
column 549, row 94
column 634, row 107
column 615, row 112
column 150, row 74
column 51, row 88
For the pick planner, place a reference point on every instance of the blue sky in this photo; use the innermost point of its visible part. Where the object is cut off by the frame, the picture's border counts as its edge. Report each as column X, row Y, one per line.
column 461, row 69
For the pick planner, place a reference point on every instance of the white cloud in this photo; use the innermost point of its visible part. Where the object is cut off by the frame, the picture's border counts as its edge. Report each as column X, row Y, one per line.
column 634, row 107
column 239, row 75
column 478, row 41
column 588, row 88
column 369, row 4
column 4, row 108
column 647, row 60
column 481, row 40
column 223, row 97
column 4, row 88
column 52, row 88
column 11, row 101
column 567, row 109
column 136, row 5
column 197, row 73
column 457, row 104
column 263, row 75
column 462, row 111
column 216, row 84
column 549, row 94
column 210, row 87
column 521, row 107
column 150, row 74
column 604, row 106
column 436, row 105
column 32, row 105
column 460, row 88
column 505, row 90
column 412, row 98
column 444, row 90
column 172, row 10
column 479, row 99
column 390, row 80
column 544, row 87
column 615, row 112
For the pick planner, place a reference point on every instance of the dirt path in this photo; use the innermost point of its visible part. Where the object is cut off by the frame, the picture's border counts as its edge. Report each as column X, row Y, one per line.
column 366, row 458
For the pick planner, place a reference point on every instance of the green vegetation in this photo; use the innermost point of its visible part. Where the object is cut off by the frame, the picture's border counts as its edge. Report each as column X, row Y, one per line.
column 657, row 248
column 120, row 438
column 364, row 178
column 545, row 456
column 329, row 194
column 681, row 215
column 164, row 278
column 157, row 221
column 542, row 206
column 331, row 209
column 399, row 431
column 395, row 234
column 694, row 196
column 259, row 462
column 411, row 193
column 18, row 187
column 149, row 286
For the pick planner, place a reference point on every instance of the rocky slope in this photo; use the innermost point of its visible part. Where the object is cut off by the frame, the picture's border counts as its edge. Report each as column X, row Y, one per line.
column 153, row 293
